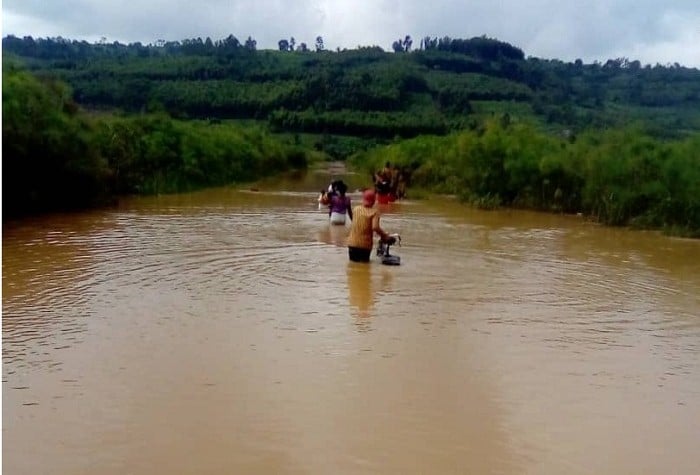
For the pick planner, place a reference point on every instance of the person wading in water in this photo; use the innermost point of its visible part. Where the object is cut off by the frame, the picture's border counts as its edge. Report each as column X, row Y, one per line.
column 340, row 205
column 365, row 223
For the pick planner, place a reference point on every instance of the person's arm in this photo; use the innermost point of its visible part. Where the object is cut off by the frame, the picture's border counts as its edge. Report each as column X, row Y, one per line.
column 376, row 227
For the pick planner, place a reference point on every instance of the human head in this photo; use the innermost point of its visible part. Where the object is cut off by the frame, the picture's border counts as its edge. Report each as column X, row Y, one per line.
column 368, row 197
column 341, row 187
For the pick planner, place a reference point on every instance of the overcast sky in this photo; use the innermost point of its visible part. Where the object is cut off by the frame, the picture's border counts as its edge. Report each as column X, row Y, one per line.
column 652, row 31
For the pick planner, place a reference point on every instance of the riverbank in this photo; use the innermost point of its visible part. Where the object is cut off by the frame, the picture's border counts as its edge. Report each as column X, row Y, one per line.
column 623, row 177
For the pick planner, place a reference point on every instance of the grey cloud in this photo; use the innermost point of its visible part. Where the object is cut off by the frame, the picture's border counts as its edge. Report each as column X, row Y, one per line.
column 587, row 29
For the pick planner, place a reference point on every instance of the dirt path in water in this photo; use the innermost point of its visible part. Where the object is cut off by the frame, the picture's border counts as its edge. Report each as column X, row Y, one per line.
column 338, row 170
column 335, row 168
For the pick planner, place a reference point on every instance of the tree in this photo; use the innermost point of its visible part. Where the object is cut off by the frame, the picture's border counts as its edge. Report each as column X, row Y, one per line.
column 404, row 45
column 49, row 161
column 429, row 43
column 231, row 42
column 283, row 45
column 407, row 42
column 319, row 43
column 251, row 44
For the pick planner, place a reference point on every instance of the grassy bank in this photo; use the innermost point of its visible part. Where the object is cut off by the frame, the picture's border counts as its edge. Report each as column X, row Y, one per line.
column 617, row 177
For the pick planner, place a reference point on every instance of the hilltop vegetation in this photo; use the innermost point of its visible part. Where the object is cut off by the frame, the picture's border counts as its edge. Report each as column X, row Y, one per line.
column 440, row 86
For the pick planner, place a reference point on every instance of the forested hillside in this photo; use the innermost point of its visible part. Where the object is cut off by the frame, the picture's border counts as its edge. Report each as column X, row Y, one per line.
column 438, row 86
column 619, row 141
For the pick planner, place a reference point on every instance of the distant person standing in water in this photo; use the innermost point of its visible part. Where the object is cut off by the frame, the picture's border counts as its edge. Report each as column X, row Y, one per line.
column 324, row 198
column 365, row 223
column 340, row 204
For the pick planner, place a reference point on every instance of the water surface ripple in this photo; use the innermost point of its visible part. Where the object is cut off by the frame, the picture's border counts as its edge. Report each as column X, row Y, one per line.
column 225, row 332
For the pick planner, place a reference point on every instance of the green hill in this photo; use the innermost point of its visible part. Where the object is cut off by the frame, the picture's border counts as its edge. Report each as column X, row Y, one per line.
column 441, row 86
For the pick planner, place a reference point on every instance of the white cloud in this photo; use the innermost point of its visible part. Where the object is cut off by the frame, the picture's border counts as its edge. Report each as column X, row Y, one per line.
column 682, row 46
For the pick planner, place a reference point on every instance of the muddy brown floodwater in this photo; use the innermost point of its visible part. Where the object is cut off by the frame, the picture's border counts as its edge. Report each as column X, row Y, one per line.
column 225, row 331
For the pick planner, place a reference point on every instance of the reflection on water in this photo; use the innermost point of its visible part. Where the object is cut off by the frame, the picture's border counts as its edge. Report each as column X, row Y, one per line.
column 226, row 331
column 360, row 294
column 333, row 234
column 366, row 284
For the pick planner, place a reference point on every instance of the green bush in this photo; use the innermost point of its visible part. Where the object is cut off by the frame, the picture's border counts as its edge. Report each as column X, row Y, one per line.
column 620, row 177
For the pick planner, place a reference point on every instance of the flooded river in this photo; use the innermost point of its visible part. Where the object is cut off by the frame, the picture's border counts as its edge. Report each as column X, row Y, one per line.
column 225, row 331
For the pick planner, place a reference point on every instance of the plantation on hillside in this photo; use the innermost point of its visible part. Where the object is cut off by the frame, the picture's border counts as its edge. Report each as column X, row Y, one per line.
column 439, row 86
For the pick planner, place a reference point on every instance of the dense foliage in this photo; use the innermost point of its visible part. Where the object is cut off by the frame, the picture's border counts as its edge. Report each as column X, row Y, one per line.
column 48, row 158
column 55, row 157
column 442, row 85
column 474, row 117
column 618, row 177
